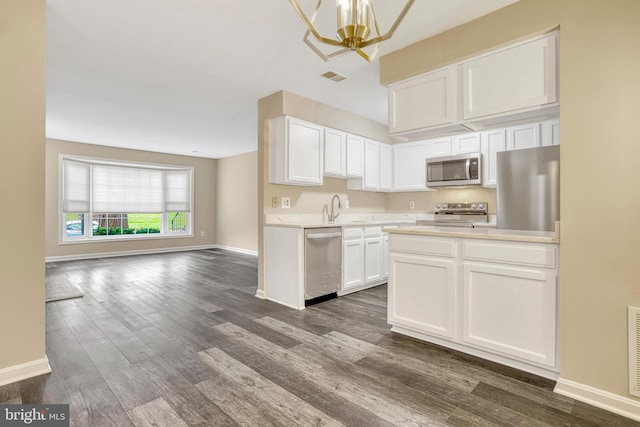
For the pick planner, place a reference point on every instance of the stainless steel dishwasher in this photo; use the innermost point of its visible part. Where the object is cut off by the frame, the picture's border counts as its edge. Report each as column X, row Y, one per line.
column 323, row 263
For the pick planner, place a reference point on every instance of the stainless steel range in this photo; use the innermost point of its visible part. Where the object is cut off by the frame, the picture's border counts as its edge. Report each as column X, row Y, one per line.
column 458, row 214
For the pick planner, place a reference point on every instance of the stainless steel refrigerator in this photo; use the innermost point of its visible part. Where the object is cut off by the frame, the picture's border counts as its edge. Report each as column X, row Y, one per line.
column 528, row 189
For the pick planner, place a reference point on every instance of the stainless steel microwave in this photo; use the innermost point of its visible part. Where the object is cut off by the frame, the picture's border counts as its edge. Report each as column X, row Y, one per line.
column 450, row 171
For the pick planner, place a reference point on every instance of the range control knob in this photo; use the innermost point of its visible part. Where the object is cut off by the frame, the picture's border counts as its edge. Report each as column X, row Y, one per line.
column 481, row 206
column 473, row 206
column 438, row 206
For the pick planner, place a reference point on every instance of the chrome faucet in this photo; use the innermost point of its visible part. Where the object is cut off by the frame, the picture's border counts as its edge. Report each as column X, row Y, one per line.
column 333, row 216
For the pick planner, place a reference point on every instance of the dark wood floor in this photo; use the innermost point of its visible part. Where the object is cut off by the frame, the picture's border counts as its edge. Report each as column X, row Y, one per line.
column 179, row 339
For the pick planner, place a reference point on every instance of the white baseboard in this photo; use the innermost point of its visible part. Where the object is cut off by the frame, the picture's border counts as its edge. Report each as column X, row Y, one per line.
column 23, row 371
column 128, row 253
column 260, row 294
column 238, row 250
column 617, row 404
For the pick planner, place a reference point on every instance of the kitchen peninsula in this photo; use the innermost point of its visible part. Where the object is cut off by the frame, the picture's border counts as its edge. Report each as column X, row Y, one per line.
column 487, row 292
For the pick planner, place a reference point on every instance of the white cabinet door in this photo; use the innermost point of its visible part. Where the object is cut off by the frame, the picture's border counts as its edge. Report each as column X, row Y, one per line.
column 352, row 264
column 386, row 167
column 523, row 136
column 385, row 255
column 355, row 156
column 515, row 78
column 409, row 166
column 510, row 310
column 371, row 179
column 551, row 132
column 438, row 147
column 467, row 143
column 335, row 153
column 295, row 152
column 493, row 141
column 421, row 102
column 372, row 260
column 421, row 293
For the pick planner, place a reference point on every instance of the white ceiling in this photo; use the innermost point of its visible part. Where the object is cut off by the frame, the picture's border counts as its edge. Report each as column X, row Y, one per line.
column 184, row 76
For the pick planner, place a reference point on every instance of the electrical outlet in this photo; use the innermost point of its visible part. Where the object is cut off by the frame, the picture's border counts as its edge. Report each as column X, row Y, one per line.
column 346, row 204
column 202, row 234
column 285, row 202
column 274, row 202
column 412, row 205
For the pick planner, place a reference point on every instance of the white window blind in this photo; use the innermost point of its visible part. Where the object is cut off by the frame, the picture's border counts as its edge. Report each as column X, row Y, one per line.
column 75, row 189
column 177, row 191
column 126, row 189
column 108, row 188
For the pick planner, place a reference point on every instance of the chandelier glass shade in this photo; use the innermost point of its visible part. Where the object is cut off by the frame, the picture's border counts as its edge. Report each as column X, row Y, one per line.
column 356, row 22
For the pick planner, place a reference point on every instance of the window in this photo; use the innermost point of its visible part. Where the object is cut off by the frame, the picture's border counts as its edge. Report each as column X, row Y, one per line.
column 103, row 199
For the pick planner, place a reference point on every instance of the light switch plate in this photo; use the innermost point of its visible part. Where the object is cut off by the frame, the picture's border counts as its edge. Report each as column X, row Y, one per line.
column 285, row 202
column 274, row 202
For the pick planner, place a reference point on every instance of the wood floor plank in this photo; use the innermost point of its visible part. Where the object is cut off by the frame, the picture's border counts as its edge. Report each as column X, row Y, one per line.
column 345, row 352
column 379, row 405
column 156, row 413
column 331, row 404
column 128, row 385
column 182, row 396
column 284, row 407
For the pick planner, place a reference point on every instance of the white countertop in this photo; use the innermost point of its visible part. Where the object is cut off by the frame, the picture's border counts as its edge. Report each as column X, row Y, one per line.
column 480, row 233
column 352, row 220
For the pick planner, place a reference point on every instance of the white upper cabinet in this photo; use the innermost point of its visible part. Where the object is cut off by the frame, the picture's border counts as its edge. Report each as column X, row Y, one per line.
column 421, row 102
column 295, row 152
column 409, row 166
column 371, row 179
column 507, row 86
column 355, row 156
column 335, row 153
column 551, row 132
column 386, row 167
column 438, row 147
column 493, row 141
column 523, row 136
column 515, row 78
column 467, row 143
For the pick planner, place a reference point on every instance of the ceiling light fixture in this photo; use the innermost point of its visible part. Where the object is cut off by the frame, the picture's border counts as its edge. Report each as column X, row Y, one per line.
column 355, row 20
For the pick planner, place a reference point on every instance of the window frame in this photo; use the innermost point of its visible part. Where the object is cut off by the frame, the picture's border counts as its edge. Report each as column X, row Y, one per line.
column 88, row 236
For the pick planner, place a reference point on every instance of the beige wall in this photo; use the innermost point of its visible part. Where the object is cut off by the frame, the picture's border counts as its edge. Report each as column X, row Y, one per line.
column 426, row 200
column 204, row 199
column 600, row 89
column 22, row 126
column 237, row 202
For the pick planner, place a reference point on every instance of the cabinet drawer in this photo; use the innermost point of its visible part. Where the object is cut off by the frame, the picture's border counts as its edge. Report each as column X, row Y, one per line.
column 511, row 253
column 422, row 245
column 352, row 233
column 372, row 232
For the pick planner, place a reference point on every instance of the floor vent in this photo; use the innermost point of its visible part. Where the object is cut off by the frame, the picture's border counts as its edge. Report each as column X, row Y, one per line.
column 333, row 76
column 634, row 351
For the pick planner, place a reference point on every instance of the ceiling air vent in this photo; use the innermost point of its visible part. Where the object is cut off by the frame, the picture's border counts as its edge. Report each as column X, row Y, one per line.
column 634, row 351
column 333, row 76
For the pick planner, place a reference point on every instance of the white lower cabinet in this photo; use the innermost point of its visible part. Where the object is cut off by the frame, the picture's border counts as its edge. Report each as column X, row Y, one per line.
column 352, row 258
column 511, row 310
column 493, row 299
column 363, row 258
column 372, row 260
column 423, row 300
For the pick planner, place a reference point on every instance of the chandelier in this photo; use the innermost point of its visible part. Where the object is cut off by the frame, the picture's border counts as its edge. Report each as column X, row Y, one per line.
column 356, row 21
